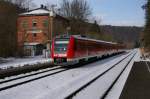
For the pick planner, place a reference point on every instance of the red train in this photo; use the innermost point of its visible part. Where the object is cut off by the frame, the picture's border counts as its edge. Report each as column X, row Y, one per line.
column 75, row 48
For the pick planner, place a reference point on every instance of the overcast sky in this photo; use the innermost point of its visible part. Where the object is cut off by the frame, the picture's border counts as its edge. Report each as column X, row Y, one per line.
column 112, row 12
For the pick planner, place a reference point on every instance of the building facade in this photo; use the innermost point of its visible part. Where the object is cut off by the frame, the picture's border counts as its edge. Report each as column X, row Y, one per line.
column 36, row 29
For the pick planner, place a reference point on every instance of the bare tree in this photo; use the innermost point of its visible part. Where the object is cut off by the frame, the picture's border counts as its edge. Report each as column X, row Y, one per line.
column 21, row 3
column 66, row 8
column 77, row 9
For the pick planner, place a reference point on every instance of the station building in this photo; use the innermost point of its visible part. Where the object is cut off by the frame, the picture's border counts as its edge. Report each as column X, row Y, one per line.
column 36, row 28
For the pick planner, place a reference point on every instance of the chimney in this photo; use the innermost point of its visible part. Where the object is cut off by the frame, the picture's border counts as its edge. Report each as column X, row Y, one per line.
column 42, row 6
column 45, row 7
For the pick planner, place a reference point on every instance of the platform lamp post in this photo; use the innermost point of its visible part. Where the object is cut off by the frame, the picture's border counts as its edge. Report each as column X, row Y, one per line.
column 50, row 27
column 52, row 15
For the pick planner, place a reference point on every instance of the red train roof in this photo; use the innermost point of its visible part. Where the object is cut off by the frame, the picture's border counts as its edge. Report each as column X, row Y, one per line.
column 85, row 38
column 100, row 41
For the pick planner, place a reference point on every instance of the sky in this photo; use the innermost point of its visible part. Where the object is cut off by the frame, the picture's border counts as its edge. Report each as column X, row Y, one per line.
column 112, row 12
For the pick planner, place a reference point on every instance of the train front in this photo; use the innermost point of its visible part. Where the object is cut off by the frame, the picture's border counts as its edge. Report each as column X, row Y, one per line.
column 62, row 51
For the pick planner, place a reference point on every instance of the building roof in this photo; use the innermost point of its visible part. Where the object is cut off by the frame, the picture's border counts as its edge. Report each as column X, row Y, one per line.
column 42, row 11
column 38, row 11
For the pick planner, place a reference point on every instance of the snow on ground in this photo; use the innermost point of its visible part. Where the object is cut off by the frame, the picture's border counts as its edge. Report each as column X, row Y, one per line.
column 138, row 56
column 144, row 57
column 58, row 86
column 17, row 62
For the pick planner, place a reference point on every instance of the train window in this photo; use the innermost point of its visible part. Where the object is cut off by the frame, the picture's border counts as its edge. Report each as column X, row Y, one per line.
column 61, row 45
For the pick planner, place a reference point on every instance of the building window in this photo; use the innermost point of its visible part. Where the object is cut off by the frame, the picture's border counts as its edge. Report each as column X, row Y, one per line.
column 45, row 23
column 34, row 23
column 25, row 24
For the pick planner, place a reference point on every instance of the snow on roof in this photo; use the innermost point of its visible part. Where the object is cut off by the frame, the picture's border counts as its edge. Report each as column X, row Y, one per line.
column 39, row 11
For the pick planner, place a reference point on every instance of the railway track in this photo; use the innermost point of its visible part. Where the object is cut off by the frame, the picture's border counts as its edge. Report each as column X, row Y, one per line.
column 28, row 75
column 10, row 83
column 71, row 95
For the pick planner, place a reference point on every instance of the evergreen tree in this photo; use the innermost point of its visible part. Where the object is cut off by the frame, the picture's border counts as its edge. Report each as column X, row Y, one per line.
column 8, row 27
column 147, row 26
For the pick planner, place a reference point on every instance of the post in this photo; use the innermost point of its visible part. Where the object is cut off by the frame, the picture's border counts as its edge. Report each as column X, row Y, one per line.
column 50, row 30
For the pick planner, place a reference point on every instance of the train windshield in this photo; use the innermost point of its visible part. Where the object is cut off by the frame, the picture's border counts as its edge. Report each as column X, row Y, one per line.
column 61, row 45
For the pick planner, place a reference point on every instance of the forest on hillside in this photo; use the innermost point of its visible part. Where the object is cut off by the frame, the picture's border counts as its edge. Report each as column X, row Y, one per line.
column 129, row 35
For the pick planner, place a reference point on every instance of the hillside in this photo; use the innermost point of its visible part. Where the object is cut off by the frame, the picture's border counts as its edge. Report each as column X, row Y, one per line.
column 123, row 34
